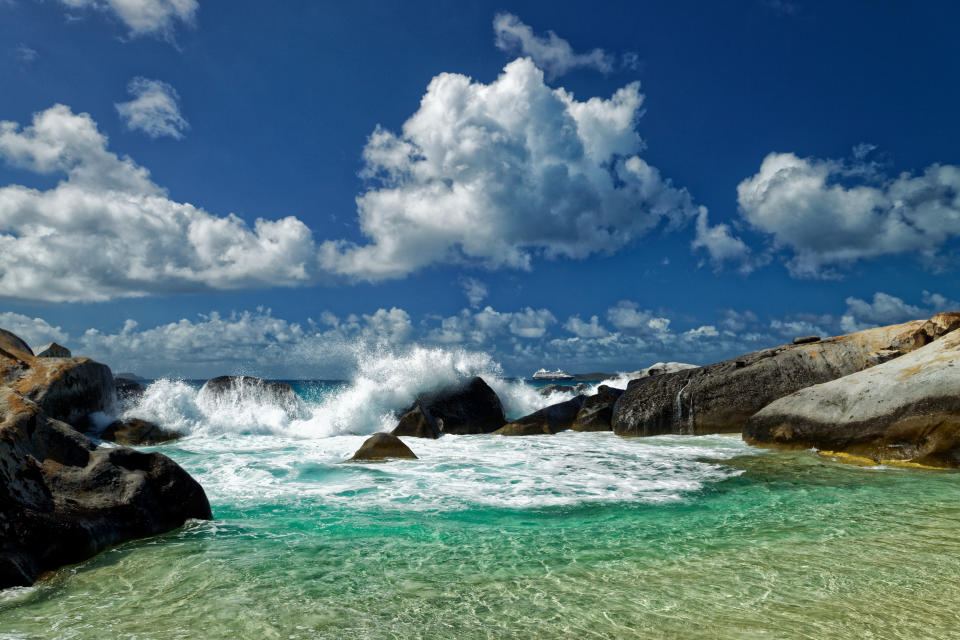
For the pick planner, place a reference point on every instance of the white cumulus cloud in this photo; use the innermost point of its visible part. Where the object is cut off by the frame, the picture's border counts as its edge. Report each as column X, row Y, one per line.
column 829, row 214
column 496, row 173
column 144, row 17
column 154, row 109
column 108, row 231
column 552, row 53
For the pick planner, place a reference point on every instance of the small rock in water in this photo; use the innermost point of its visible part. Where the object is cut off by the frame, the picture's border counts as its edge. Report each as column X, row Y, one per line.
column 806, row 339
column 381, row 446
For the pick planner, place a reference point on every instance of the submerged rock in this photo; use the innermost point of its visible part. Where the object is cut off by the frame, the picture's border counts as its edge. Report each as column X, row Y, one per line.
column 467, row 408
column 720, row 397
column 237, row 390
column 381, row 446
column 596, row 414
column 136, row 432
column 556, row 417
column 67, row 389
column 52, row 350
column 906, row 409
column 62, row 499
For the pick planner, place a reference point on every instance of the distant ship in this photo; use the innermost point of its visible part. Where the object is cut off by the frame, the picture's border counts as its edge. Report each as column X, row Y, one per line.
column 559, row 374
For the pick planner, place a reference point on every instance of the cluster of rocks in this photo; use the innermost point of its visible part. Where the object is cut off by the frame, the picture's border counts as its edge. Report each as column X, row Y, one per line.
column 63, row 498
column 889, row 393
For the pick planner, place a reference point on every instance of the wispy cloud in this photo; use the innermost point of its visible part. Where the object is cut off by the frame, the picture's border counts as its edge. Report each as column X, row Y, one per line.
column 154, row 109
column 552, row 53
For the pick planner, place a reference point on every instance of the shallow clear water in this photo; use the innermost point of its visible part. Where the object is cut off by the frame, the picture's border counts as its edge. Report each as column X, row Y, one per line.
column 566, row 536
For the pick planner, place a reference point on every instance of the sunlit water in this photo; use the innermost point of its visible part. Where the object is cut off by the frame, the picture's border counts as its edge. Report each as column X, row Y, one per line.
column 566, row 536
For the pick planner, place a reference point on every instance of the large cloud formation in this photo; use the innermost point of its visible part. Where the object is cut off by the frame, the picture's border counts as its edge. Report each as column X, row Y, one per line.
column 828, row 214
column 108, row 231
column 496, row 173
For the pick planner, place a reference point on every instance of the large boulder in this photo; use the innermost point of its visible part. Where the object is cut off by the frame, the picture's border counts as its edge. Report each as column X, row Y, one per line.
column 465, row 408
column 62, row 499
column 720, row 397
column 596, row 413
column 137, row 432
column 238, row 390
column 381, row 446
column 905, row 409
column 556, row 417
column 67, row 389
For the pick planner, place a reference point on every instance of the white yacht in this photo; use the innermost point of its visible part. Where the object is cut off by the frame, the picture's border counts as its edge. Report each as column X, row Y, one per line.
column 559, row 374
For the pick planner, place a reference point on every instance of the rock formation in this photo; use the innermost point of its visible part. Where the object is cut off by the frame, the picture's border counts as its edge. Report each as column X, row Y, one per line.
column 470, row 407
column 63, row 499
column 720, row 397
column 905, row 409
column 67, row 389
column 596, row 414
column 556, row 417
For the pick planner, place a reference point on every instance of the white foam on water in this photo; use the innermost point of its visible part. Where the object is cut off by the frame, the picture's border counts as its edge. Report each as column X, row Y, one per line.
column 458, row 472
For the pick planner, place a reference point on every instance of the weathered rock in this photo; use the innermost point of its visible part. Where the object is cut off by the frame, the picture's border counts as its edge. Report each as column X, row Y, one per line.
column 470, row 407
column 67, row 389
column 905, row 409
column 237, row 390
column 52, row 350
column 596, row 414
column 556, row 417
column 63, row 500
column 381, row 446
column 720, row 397
column 137, row 432
column 128, row 390
column 806, row 339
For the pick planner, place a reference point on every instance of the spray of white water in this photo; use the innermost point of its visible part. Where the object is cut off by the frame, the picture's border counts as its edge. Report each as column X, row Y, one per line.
column 384, row 383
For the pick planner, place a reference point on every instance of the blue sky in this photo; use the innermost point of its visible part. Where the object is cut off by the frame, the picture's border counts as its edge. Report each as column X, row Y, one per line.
column 703, row 178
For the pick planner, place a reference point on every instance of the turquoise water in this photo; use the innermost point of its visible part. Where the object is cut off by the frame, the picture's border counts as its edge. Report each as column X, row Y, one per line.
column 567, row 536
